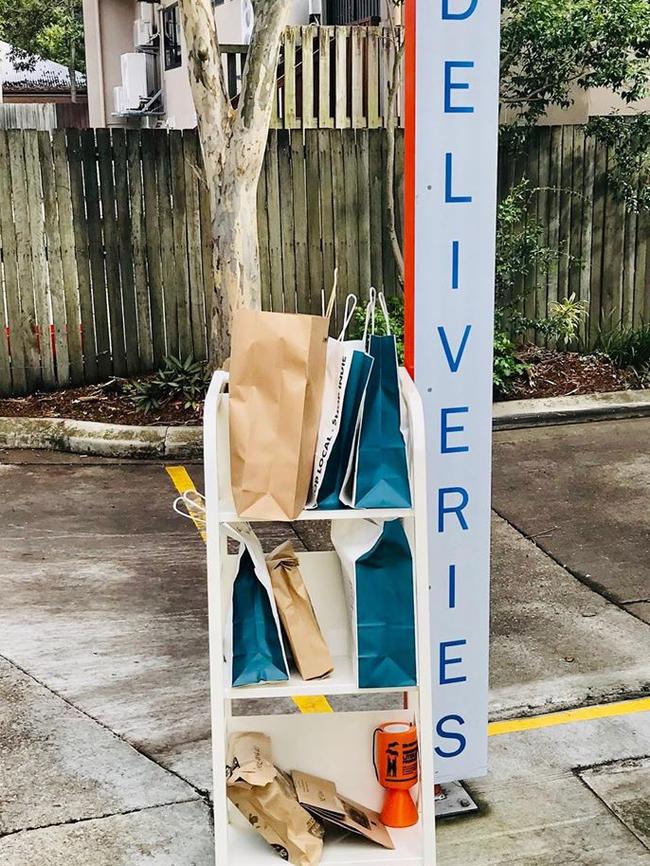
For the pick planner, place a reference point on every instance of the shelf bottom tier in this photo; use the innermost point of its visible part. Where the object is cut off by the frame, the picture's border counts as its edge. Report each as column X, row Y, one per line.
column 247, row 848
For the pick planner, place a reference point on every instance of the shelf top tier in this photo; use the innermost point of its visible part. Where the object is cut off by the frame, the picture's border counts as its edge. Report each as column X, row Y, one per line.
column 216, row 440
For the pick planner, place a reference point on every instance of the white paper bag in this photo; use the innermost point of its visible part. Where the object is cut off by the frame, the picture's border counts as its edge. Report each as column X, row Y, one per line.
column 339, row 364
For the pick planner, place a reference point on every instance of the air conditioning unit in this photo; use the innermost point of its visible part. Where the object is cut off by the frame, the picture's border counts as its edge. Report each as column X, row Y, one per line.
column 145, row 11
column 134, row 79
column 119, row 106
column 142, row 32
column 315, row 7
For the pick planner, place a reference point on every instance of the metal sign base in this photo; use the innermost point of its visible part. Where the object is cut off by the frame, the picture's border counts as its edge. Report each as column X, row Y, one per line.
column 453, row 799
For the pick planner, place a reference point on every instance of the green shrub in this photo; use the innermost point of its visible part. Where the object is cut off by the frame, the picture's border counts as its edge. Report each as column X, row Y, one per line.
column 562, row 323
column 506, row 364
column 628, row 348
column 395, row 306
column 520, row 247
column 177, row 379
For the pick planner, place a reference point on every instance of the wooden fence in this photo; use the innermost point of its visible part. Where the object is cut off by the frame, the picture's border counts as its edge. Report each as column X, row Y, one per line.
column 328, row 77
column 105, row 242
column 43, row 115
column 605, row 251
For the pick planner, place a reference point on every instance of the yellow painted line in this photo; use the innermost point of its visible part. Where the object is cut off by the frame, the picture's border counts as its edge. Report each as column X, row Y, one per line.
column 568, row 717
column 182, row 482
column 313, row 704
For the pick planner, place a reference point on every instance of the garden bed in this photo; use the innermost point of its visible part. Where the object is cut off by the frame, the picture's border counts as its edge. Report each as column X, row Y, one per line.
column 105, row 403
column 550, row 374
column 561, row 374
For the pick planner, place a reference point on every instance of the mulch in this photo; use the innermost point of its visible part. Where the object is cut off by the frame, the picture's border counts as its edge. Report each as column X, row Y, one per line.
column 106, row 403
column 550, row 374
column 559, row 374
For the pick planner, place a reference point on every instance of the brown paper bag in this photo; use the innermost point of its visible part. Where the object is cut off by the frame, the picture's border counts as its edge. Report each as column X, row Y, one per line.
column 296, row 611
column 277, row 371
column 271, row 807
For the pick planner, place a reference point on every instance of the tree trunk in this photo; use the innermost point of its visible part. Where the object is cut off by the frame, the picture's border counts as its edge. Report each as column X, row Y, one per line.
column 233, row 145
column 235, row 254
column 73, row 83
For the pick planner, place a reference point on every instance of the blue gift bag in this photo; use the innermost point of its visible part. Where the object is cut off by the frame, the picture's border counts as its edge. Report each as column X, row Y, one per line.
column 257, row 652
column 335, row 471
column 379, row 471
column 378, row 564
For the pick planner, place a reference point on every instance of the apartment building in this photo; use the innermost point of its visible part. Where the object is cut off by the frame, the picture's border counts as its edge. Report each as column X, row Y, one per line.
column 135, row 53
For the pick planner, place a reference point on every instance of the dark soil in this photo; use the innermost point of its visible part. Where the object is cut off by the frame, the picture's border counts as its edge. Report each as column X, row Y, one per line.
column 558, row 374
column 107, row 403
column 550, row 374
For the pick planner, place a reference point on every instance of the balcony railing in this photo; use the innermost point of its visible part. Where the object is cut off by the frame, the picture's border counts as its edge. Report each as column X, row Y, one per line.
column 328, row 77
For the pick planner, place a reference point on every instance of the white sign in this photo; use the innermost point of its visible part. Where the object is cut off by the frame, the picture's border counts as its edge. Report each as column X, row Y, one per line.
column 455, row 144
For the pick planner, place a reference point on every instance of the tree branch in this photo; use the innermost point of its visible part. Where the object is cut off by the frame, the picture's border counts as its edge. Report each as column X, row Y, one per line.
column 394, row 83
column 260, row 77
column 206, row 76
column 536, row 95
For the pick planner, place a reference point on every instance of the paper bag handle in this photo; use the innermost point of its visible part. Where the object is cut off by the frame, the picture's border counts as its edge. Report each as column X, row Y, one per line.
column 370, row 314
column 327, row 312
column 350, row 307
column 384, row 310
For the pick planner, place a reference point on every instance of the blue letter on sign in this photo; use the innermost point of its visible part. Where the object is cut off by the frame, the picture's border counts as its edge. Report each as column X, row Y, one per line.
column 455, row 263
column 444, row 662
column 450, row 198
column 445, row 430
column 452, row 509
column 452, row 586
column 456, row 85
column 458, row 16
column 450, row 735
column 454, row 363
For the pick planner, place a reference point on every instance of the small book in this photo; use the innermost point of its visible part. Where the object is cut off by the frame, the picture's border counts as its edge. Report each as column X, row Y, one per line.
column 321, row 799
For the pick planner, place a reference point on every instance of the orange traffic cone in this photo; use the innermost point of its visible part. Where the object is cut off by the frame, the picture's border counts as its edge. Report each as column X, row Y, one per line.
column 396, row 764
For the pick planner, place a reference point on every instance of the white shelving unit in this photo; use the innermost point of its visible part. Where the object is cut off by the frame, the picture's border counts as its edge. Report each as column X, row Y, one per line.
column 336, row 746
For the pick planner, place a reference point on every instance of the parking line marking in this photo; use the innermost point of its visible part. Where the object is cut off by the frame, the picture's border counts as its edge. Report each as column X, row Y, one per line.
column 182, row 482
column 568, row 717
column 312, row 704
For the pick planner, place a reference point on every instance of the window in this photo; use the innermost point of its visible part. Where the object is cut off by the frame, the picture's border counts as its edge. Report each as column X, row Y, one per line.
column 172, row 37
column 353, row 11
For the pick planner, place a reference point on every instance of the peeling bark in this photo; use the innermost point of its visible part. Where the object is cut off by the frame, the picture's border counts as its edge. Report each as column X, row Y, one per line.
column 393, row 86
column 233, row 145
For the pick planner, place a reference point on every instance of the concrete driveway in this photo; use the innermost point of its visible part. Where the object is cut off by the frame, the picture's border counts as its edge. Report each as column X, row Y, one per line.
column 104, row 743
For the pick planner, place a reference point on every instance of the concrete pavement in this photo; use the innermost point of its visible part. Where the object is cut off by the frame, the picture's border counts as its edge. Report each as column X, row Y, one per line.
column 104, row 679
column 582, row 493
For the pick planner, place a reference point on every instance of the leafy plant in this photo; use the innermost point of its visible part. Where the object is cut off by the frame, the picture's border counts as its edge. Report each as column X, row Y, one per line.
column 52, row 29
column 551, row 47
column 506, row 364
column 184, row 380
column 566, row 317
column 520, row 250
column 627, row 347
column 628, row 170
column 395, row 305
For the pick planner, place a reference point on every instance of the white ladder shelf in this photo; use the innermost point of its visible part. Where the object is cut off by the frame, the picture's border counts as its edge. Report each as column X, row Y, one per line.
column 337, row 746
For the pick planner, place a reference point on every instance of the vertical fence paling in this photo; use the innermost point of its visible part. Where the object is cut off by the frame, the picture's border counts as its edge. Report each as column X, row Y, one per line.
column 328, row 77
column 105, row 238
